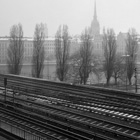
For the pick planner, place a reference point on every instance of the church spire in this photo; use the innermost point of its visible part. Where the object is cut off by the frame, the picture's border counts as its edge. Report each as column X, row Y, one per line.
column 95, row 26
column 95, row 14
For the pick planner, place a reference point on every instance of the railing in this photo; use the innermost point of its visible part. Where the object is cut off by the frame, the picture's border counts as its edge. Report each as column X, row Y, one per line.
column 18, row 132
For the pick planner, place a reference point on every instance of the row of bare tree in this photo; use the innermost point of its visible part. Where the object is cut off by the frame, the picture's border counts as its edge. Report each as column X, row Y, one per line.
column 116, row 65
column 79, row 65
column 16, row 50
column 84, row 62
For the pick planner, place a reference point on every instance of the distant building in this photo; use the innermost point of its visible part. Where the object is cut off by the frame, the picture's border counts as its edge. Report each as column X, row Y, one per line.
column 95, row 26
column 121, row 43
column 96, row 36
column 97, row 47
column 49, row 46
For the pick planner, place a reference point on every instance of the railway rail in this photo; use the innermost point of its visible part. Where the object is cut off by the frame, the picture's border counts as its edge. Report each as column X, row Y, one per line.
column 58, row 86
column 90, row 123
column 40, row 128
column 124, row 113
column 82, row 99
column 127, row 103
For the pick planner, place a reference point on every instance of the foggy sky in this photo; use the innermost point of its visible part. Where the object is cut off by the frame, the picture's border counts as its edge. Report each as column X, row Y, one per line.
column 77, row 14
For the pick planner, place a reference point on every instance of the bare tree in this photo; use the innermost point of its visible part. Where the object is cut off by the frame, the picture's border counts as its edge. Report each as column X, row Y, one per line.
column 62, row 48
column 15, row 52
column 73, row 72
column 78, row 61
column 38, row 56
column 109, row 46
column 85, row 62
column 119, row 68
column 131, row 49
column 97, row 69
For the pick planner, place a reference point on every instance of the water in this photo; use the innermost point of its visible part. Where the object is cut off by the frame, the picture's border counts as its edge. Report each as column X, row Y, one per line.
column 48, row 71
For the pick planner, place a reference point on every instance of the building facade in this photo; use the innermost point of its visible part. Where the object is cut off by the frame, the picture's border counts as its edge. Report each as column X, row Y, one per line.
column 49, row 46
column 121, row 45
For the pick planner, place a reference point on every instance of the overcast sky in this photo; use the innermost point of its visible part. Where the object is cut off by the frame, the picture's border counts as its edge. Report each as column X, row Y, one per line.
column 77, row 14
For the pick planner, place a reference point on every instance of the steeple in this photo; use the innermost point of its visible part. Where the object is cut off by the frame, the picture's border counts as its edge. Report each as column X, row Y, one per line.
column 95, row 14
column 95, row 26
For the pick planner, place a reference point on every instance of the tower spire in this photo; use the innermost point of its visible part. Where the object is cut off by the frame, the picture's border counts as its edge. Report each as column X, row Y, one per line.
column 95, row 14
column 95, row 26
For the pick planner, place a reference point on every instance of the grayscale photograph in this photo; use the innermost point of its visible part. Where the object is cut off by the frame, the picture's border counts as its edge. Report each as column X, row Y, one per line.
column 69, row 69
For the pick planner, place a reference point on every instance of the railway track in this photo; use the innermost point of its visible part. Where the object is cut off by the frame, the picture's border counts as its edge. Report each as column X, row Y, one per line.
column 86, row 121
column 108, row 108
column 38, row 84
column 124, row 113
column 118, row 102
column 42, row 129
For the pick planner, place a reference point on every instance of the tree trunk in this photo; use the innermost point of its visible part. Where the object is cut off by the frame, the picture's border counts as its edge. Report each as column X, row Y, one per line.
column 115, row 80
column 130, row 82
column 81, row 81
column 107, row 81
column 85, row 81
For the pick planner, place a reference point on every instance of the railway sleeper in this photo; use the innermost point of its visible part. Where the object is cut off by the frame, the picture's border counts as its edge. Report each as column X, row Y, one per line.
column 119, row 117
column 76, row 123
